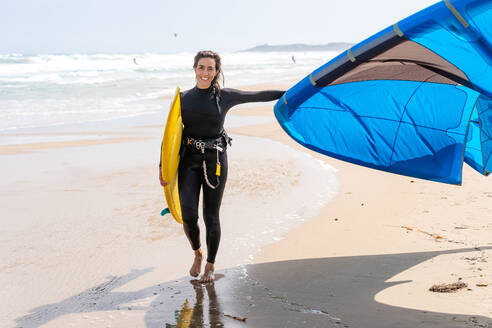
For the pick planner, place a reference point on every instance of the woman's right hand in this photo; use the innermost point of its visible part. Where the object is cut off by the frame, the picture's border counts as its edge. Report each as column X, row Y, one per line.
column 161, row 180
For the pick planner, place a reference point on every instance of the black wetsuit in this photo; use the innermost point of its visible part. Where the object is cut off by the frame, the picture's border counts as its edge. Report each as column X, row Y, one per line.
column 203, row 118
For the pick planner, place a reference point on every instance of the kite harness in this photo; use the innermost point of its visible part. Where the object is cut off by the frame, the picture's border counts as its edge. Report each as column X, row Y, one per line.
column 218, row 144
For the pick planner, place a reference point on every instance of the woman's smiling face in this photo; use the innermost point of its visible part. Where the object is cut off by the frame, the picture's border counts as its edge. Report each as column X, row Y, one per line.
column 205, row 72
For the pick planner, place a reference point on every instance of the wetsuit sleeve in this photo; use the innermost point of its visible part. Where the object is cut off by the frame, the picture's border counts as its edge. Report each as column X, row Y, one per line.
column 235, row 97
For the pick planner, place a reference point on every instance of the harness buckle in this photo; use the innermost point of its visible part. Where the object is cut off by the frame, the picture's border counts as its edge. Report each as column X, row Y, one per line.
column 200, row 145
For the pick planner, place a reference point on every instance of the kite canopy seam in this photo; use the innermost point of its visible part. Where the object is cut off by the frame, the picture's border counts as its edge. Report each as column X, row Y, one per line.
column 397, row 30
column 456, row 13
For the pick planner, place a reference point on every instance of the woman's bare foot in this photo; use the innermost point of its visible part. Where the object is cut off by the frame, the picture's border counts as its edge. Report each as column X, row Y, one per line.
column 196, row 268
column 208, row 275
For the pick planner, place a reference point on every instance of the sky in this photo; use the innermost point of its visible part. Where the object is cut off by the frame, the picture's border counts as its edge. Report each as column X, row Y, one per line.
column 143, row 26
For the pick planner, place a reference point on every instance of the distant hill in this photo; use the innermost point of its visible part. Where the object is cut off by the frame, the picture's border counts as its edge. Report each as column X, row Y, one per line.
column 333, row 46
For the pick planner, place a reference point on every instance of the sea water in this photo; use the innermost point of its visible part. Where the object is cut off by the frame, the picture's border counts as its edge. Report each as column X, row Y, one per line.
column 45, row 90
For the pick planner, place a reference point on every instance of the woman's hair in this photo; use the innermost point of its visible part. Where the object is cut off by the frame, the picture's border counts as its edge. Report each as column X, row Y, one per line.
column 218, row 67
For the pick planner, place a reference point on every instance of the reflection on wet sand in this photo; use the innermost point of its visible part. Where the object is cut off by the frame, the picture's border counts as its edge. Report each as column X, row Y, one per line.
column 184, row 318
column 193, row 317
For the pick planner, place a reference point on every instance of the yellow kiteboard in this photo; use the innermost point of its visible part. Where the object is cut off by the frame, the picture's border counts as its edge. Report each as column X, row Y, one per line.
column 171, row 143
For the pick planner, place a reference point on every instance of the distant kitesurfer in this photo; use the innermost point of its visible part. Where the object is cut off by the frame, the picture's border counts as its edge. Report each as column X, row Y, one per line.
column 135, row 60
column 203, row 162
column 175, row 35
column 294, row 59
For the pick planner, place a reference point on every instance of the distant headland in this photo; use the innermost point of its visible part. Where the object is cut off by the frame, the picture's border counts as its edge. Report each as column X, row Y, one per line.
column 332, row 46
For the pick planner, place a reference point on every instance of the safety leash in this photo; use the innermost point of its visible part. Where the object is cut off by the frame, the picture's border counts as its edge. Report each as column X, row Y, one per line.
column 201, row 146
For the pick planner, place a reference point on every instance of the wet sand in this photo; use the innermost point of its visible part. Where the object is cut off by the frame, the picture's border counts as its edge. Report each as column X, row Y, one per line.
column 322, row 292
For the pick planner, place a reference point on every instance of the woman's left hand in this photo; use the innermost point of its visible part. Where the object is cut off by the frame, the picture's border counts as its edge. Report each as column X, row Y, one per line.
column 161, row 180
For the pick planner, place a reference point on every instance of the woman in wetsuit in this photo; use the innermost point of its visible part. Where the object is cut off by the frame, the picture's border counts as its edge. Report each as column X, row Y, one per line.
column 203, row 163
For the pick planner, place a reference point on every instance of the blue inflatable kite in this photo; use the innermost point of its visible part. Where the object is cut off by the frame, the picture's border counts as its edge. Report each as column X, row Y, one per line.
column 414, row 99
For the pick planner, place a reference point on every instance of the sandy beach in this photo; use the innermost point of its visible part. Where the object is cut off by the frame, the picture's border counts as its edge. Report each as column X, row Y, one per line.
column 83, row 244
